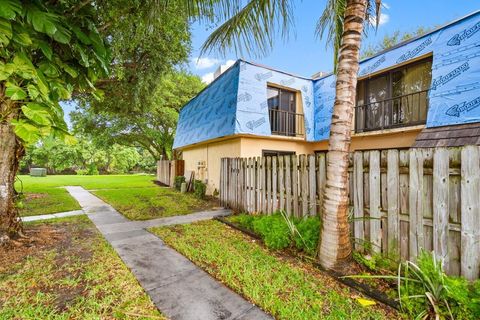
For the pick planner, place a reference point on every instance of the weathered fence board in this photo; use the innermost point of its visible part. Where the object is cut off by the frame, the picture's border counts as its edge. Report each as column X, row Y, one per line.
column 403, row 201
column 470, row 236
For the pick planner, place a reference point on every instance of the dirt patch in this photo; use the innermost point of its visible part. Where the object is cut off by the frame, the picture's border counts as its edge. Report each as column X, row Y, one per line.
column 37, row 239
column 33, row 196
column 72, row 241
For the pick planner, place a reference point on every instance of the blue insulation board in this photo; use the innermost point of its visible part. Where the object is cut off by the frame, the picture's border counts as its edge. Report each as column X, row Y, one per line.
column 252, row 108
column 211, row 114
column 454, row 95
column 236, row 102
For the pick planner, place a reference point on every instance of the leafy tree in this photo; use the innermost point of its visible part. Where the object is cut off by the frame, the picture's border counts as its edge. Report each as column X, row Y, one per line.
column 85, row 157
column 390, row 40
column 253, row 26
column 46, row 52
column 152, row 127
column 50, row 50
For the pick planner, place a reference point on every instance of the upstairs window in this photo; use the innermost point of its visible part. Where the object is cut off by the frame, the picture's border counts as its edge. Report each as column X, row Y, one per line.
column 282, row 107
column 396, row 98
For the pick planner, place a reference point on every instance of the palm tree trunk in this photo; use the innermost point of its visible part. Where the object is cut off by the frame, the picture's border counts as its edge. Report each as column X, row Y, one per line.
column 335, row 248
column 11, row 150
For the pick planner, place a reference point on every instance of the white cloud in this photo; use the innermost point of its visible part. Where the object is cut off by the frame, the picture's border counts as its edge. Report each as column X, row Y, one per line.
column 204, row 63
column 384, row 18
column 229, row 63
column 207, row 78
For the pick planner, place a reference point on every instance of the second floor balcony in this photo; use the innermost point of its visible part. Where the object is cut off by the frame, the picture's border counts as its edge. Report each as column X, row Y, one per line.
column 286, row 123
column 402, row 111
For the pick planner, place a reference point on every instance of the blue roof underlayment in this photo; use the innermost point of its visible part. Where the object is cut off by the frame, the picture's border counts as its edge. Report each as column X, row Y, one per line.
column 236, row 102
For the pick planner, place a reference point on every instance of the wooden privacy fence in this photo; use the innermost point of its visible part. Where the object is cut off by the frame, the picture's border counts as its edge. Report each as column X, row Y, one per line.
column 401, row 200
column 167, row 170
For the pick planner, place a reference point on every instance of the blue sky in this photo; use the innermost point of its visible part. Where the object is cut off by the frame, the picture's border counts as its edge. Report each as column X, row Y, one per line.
column 304, row 54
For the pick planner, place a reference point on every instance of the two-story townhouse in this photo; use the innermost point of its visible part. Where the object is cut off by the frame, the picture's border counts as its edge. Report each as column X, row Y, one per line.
column 424, row 92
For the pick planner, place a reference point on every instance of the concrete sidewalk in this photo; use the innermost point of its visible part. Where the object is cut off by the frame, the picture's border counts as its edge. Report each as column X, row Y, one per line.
column 53, row 215
column 178, row 288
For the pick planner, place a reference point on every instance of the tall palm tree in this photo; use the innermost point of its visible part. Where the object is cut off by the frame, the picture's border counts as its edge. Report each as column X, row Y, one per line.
column 251, row 27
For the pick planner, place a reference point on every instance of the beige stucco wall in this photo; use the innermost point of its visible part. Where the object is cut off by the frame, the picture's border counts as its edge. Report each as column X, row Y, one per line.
column 211, row 154
column 252, row 146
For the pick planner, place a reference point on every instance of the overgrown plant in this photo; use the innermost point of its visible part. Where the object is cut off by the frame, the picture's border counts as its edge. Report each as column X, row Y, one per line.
column 280, row 231
column 199, row 189
column 425, row 291
column 178, row 182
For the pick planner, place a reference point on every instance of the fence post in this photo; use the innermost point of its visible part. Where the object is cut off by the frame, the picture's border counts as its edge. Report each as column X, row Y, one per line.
column 274, row 184
column 288, row 184
column 358, row 225
column 304, row 184
column 393, row 194
column 375, row 216
column 440, row 205
column 321, row 181
column 470, row 191
column 415, row 199
column 281, row 183
column 311, row 183
column 295, row 185
column 269, row 185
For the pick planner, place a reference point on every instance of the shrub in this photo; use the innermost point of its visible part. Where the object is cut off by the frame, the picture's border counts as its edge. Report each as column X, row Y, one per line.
column 199, row 189
column 244, row 220
column 306, row 238
column 425, row 290
column 90, row 171
column 178, row 182
column 273, row 230
column 278, row 231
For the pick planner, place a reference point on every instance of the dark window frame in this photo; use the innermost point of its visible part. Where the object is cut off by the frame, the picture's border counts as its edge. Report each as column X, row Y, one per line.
column 276, row 153
column 285, row 121
column 389, row 99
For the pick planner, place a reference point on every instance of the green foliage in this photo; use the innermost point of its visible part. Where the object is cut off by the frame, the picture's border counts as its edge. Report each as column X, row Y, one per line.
column 178, row 182
column 85, row 157
column 150, row 126
column 390, row 40
column 42, row 61
column 279, row 231
column 273, row 230
column 375, row 261
column 425, row 290
column 306, row 238
column 91, row 170
column 199, row 189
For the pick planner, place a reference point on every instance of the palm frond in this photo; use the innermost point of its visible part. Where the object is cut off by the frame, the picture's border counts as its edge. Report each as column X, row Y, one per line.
column 251, row 28
column 331, row 21
column 330, row 25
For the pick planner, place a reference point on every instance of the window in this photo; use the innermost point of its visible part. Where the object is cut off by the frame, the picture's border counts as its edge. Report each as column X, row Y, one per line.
column 282, row 109
column 395, row 98
column 274, row 153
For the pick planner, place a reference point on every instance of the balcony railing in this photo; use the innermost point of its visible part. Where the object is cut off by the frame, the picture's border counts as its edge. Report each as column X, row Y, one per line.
column 402, row 111
column 285, row 123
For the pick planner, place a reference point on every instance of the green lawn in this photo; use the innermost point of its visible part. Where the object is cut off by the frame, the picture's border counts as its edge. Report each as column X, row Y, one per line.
column 135, row 196
column 153, row 202
column 285, row 287
column 66, row 270
column 89, row 182
column 45, row 195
